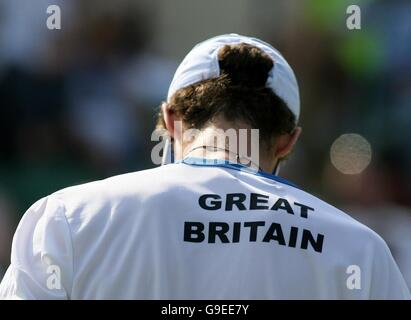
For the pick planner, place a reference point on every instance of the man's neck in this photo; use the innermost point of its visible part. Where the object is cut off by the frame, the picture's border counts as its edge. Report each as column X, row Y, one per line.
column 216, row 143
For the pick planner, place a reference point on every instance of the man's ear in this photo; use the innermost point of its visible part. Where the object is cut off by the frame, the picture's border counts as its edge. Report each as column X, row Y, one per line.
column 168, row 115
column 286, row 142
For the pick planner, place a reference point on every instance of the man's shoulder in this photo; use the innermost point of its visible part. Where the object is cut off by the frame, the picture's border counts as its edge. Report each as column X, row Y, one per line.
column 121, row 182
column 337, row 221
column 112, row 190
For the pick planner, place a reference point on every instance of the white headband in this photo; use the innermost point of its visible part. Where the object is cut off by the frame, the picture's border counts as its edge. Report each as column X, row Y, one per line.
column 201, row 63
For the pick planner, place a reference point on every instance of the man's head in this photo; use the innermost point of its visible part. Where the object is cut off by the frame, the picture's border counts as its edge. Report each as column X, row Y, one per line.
column 241, row 90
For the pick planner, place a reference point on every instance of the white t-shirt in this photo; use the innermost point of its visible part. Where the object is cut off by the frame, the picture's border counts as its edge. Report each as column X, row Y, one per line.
column 196, row 230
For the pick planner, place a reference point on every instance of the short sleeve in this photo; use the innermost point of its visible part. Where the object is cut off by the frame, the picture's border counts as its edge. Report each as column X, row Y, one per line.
column 388, row 282
column 42, row 255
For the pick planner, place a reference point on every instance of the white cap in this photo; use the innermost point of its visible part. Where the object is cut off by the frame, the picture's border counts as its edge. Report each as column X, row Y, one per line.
column 201, row 63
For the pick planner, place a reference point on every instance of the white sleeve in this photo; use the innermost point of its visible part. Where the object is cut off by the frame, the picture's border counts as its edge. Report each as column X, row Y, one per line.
column 387, row 280
column 42, row 256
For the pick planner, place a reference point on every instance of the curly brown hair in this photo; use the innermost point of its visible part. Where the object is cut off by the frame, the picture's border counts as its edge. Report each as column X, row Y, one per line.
column 238, row 94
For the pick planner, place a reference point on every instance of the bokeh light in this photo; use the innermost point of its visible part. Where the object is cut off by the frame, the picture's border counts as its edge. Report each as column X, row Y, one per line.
column 350, row 153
